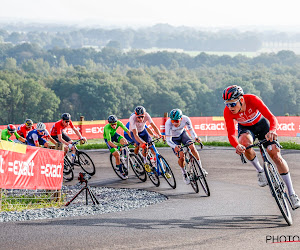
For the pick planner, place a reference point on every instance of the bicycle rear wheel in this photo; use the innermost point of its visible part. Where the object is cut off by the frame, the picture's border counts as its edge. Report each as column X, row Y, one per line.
column 68, row 173
column 277, row 186
column 137, row 167
column 200, row 176
column 152, row 173
column 86, row 163
column 166, row 171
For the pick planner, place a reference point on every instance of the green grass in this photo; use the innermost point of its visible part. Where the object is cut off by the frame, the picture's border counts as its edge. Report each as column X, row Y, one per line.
column 22, row 202
column 93, row 144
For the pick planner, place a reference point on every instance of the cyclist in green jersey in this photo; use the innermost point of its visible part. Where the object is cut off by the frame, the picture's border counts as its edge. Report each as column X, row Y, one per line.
column 9, row 131
column 110, row 135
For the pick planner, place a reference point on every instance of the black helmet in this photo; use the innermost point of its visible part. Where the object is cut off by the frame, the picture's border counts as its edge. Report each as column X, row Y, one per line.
column 28, row 122
column 140, row 110
column 112, row 119
column 11, row 128
column 66, row 116
column 232, row 92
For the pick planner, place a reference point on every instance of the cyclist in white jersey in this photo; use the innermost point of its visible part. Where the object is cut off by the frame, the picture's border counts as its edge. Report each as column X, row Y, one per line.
column 177, row 135
column 139, row 134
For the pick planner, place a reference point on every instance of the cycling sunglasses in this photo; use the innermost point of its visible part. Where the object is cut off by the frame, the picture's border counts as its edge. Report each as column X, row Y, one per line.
column 113, row 124
column 175, row 121
column 141, row 116
column 231, row 104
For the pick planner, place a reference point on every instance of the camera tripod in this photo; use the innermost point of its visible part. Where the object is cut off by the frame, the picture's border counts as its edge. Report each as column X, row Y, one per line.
column 88, row 191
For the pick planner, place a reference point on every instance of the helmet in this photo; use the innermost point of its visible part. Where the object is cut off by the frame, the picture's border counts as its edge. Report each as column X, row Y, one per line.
column 11, row 128
column 28, row 122
column 140, row 110
column 66, row 116
column 175, row 114
column 232, row 92
column 112, row 119
column 40, row 126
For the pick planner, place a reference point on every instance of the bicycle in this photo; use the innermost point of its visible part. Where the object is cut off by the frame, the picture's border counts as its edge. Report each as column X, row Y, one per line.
column 158, row 166
column 194, row 170
column 276, row 184
column 133, row 160
column 80, row 159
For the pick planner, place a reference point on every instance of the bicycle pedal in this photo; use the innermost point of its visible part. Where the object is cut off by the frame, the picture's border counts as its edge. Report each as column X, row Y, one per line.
column 147, row 168
column 168, row 176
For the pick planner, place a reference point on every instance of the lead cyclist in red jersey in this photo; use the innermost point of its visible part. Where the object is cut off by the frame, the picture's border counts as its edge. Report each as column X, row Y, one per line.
column 255, row 120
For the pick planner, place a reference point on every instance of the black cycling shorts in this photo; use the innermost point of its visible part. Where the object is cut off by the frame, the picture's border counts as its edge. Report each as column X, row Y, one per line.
column 64, row 136
column 258, row 130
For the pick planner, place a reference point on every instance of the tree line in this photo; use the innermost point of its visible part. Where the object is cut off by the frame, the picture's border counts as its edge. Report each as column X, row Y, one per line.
column 41, row 85
column 160, row 36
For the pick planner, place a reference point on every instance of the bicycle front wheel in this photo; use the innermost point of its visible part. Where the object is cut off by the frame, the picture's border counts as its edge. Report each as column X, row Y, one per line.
column 277, row 187
column 200, row 175
column 137, row 167
column 68, row 173
column 192, row 173
column 86, row 163
column 166, row 171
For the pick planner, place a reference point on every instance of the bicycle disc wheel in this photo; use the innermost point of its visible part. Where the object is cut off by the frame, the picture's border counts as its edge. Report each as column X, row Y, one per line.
column 277, row 185
column 114, row 167
column 86, row 163
column 166, row 171
column 192, row 173
column 137, row 167
column 68, row 173
column 200, row 176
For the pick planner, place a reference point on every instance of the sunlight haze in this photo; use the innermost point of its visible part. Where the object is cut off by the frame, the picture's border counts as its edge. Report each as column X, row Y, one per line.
column 213, row 13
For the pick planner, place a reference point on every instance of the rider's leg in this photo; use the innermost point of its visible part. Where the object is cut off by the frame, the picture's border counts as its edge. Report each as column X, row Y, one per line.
column 246, row 140
column 117, row 156
column 282, row 166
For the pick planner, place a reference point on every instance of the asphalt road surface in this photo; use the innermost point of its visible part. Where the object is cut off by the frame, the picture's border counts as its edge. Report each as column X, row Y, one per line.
column 238, row 215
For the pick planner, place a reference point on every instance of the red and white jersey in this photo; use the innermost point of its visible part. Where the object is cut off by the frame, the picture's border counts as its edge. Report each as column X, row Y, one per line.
column 58, row 127
column 255, row 108
column 22, row 130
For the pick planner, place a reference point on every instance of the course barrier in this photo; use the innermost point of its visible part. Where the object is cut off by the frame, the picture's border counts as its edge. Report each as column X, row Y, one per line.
column 204, row 126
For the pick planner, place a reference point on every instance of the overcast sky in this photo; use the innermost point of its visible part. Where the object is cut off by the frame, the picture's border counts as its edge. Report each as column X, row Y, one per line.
column 196, row 13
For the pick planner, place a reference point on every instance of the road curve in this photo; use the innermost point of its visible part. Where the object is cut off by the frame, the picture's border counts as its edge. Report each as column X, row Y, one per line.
column 238, row 215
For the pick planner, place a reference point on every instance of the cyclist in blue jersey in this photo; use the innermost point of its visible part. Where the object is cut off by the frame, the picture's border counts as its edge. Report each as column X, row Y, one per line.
column 38, row 136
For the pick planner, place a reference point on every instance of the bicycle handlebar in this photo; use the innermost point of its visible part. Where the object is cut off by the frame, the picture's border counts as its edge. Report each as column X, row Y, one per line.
column 189, row 144
column 258, row 144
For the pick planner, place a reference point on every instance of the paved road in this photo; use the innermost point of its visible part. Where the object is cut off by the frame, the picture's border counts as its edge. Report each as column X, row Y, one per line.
column 238, row 214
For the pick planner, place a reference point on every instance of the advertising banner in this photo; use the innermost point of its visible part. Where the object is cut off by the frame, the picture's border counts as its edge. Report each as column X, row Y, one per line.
column 203, row 126
column 26, row 167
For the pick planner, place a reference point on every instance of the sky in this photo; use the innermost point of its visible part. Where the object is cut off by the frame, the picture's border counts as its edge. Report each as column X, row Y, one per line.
column 194, row 13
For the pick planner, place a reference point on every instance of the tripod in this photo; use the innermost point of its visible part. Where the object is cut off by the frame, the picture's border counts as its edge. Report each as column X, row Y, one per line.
column 88, row 191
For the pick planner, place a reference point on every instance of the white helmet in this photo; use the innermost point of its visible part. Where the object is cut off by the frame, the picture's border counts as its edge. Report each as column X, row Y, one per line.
column 40, row 126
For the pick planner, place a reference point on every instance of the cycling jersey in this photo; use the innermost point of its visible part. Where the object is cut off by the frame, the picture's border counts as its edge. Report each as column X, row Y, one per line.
column 33, row 137
column 139, row 126
column 255, row 109
column 22, row 130
column 109, row 132
column 5, row 135
column 58, row 127
column 172, row 131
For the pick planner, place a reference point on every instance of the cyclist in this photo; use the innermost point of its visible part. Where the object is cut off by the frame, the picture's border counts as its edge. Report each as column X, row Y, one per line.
column 24, row 128
column 138, row 131
column 9, row 131
column 177, row 135
column 58, row 134
column 110, row 135
column 37, row 136
column 255, row 120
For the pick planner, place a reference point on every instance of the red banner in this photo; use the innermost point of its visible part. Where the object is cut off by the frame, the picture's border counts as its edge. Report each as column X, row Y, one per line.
column 204, row 126
column 27, row 167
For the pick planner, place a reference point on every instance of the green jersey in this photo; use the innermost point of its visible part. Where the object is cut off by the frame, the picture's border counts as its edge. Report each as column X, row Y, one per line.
column 109, row 132
column 5, row 135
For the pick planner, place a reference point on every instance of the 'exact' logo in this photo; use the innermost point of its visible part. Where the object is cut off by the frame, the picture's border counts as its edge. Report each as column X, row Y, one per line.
column 282, row 238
